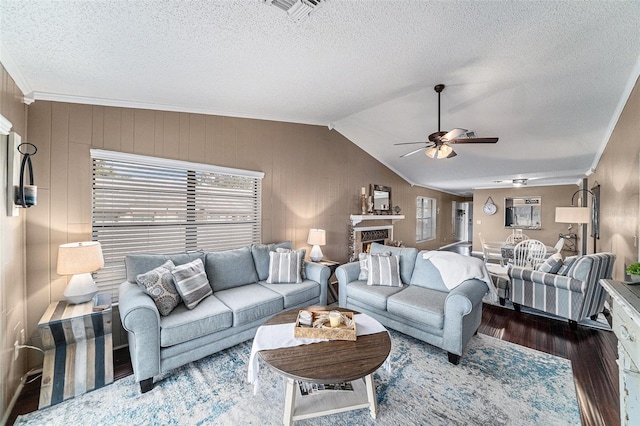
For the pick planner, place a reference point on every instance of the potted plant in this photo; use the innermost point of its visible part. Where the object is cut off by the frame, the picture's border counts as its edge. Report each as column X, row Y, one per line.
column 634, row 271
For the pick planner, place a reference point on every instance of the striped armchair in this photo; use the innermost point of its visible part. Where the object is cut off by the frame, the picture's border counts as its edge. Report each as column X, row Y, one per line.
column 575, row 295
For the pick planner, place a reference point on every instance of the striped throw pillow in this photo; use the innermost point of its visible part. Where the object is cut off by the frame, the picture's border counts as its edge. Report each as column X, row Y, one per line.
column 192, row 283
column 302, row 253
column 160, row 286
column 284, row 267
column 552, row 264
column 384, row 270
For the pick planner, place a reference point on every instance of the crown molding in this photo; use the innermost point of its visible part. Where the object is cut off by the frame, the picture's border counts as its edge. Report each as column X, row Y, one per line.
column 5, row 125
column 14, row 72
column 57, row 97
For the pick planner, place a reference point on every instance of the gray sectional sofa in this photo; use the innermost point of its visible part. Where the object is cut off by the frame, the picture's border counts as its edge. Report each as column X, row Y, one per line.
column 241, row 302
column 423, row 307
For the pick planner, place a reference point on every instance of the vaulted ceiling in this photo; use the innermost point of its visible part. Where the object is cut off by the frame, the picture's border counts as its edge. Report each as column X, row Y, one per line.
column 549, row 78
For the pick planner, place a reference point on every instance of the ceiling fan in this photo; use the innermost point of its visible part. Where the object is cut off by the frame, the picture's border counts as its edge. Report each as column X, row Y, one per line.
column 438, row 144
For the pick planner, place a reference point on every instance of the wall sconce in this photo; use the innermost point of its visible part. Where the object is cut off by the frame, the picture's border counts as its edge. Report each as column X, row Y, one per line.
column 79, row 260
column 317, row 238
column 576, row 214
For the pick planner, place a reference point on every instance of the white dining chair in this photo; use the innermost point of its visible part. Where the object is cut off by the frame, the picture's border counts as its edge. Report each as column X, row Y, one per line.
column 559, row 245
column 490, row 253
column 529, row 253
column 516, row 238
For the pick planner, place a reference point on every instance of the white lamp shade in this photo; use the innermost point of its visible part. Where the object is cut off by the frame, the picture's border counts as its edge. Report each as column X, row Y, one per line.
column 79, row 258
column 317, row 237
column 573, row 214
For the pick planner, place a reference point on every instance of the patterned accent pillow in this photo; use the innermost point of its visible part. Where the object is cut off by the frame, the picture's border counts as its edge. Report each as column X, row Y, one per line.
column 384, row 270
column 552, row 264
column 284, row 267
column 192, row 283
column 566, row 265
column 303, row 253
column 363, row 258
column 160, row 286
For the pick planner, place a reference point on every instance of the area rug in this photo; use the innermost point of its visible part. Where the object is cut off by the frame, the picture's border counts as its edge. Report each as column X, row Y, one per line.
column 496, row 383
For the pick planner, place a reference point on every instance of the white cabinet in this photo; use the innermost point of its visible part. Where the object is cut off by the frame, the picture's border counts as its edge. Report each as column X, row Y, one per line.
column 625, row 309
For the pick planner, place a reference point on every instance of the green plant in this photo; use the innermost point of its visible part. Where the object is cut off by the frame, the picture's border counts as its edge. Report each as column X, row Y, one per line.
column 634, row 269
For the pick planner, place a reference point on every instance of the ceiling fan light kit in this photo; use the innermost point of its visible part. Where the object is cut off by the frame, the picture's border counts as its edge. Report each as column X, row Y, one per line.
column 437, row 146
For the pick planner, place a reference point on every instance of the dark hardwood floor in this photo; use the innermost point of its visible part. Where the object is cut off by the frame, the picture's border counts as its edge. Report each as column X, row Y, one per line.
column 593, row 355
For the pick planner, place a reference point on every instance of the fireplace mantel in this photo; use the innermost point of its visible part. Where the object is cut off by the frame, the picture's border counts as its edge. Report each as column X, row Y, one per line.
column 357, row 218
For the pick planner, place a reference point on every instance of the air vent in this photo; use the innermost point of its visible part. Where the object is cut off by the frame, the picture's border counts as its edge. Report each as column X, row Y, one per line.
column 297, row 9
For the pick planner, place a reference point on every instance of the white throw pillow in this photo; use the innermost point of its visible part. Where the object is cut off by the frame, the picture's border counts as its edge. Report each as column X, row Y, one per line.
column 384, row 270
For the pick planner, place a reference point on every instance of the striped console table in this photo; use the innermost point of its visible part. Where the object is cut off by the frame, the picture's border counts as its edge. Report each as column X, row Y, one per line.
column 78, row 354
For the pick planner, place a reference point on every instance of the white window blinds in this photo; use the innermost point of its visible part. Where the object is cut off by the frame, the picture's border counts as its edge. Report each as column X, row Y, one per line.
column 425, row 218
column 150, row 205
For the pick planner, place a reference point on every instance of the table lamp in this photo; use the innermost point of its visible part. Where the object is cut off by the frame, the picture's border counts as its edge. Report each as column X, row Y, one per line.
column 317, row 238
column 79, row 260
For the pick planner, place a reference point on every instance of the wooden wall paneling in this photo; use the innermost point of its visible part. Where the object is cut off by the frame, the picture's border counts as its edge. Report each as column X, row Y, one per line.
column 227, row 149
column 80, row 123
column 158, row 134
column 79, row 189
column 144, row 126
column 213, row 139
column 171, row 136
column 197, row 138
column 97, row 128
column 40, row 136
column 183, row 142
column 112, row 129
column 127, row 130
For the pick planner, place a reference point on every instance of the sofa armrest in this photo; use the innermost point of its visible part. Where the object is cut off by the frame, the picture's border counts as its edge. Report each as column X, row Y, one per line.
column 547, row 279
column 345, row 274
column 464, row 297
column 141, row 319
column 320, row 274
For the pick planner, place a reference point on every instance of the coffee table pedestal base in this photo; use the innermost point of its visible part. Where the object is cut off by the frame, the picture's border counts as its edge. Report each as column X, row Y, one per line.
column 297, row 407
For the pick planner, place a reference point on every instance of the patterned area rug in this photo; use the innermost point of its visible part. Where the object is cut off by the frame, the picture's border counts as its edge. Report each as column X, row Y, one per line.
column 496, row 383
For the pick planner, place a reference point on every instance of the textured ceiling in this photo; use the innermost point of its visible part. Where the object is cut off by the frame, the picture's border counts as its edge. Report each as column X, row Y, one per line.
column 548, row 78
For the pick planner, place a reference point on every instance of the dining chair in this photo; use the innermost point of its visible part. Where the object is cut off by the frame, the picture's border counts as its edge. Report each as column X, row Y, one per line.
column 529, row 253
column 559, row 245
column 490, row 253
column 514, row 239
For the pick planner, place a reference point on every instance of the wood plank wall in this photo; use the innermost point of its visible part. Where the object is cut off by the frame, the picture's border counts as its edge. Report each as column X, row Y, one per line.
column 312, row 178
column 12, row 253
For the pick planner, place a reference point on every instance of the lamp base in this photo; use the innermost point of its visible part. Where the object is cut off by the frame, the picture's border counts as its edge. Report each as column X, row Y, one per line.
column 316, row 254
column 81, row 289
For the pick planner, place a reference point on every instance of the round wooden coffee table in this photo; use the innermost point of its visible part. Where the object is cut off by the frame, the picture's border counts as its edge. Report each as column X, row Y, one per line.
column 335, row 361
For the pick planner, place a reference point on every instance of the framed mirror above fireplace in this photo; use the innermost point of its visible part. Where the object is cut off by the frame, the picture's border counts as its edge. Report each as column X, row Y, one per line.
column 381, row 196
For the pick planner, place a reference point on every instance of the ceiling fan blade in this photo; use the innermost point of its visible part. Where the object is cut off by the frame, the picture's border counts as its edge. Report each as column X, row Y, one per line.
column 413, row 152
column 453, row 154
column 474, row 140
column 408, row 143
column 454, row 134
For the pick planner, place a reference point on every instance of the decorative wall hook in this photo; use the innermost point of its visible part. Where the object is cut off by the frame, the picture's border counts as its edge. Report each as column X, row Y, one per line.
column 26, row 195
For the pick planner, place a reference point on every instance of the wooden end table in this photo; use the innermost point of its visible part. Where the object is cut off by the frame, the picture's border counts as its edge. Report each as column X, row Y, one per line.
column 332, row 265
column 78, row 354
column 335, row 361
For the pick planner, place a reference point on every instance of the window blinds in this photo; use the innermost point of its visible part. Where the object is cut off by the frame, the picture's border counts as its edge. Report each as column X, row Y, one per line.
column 149, row 205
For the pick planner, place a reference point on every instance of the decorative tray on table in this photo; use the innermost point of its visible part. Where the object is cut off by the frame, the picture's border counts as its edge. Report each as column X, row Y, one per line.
column 316, row 325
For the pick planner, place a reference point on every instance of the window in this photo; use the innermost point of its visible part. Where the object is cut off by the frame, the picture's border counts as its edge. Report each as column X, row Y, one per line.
column 425, row 218
column 151, row 205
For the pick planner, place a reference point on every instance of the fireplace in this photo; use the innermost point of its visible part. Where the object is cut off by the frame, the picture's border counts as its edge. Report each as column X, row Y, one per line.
column 363, row 237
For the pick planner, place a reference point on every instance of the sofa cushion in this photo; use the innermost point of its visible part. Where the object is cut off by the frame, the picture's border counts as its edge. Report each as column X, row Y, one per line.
column 251, row 302
column 137, row 264
column 192, row 283
column 210, row 316
column 230, row 268
column 375, row 296
column 295, row 294
column 383, row 270
column 160, row 286
column 418, row 304
column 426, row 275
column 406, row 255
column 260, row 254
column 566, row 264
column 552, row 264
column 285, row 266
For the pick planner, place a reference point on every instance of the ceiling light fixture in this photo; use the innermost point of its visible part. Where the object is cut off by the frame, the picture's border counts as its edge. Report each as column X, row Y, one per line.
column 298, row 10
column 519, row 182
column 440, row 152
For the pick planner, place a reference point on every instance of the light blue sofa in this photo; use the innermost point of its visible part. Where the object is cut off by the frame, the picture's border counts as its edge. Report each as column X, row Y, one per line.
column 240, row 303
column 423, row 307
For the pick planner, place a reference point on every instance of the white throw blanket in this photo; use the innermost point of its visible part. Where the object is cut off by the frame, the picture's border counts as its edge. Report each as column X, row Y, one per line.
column 455, row 268
column 281, row 336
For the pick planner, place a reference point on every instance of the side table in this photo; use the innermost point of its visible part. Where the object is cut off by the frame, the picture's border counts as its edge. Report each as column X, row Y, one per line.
column 332, row 291
column 78, row 349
